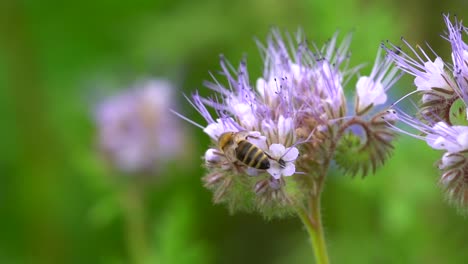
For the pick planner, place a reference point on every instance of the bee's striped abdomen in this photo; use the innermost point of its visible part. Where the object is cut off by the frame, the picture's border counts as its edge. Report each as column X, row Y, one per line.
column 251, row 155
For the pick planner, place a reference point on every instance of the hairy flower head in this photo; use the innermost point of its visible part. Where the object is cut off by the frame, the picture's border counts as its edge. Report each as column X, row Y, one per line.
column 441, row 118
column 273, row 137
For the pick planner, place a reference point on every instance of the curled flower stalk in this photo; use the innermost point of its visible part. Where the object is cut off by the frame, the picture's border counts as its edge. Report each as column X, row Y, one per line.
column 275, row 140
column 441, row 117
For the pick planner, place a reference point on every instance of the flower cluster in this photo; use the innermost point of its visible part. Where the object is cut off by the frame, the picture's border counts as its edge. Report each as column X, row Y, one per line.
column 136, row 132
column 441, row 119
column 294, row 119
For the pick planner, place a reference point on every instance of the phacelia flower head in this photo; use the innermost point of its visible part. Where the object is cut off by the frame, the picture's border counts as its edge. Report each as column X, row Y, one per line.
column 136, row 131
column 434, row 78
column 273, row 137
column 441, row 118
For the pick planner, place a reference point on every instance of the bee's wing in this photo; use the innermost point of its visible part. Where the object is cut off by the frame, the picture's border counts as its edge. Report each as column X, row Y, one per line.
column 230, row 152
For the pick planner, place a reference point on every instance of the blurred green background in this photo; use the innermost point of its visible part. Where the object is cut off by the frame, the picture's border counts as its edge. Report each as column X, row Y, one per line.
column 60, row 204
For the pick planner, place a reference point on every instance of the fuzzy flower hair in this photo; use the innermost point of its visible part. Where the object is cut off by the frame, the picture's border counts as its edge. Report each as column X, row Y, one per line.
column 295, row 113
column 441, row 118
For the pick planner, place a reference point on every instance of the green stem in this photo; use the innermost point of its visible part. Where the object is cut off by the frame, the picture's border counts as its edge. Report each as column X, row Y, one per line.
column 311, row 216
column 135, row 224
column 313, row 223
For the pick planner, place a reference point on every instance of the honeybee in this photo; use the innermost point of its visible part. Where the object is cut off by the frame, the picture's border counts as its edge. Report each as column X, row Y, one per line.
column 236, row 147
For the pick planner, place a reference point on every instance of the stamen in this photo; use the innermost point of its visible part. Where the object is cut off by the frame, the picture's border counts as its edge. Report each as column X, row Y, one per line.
column 399, row 100
column 187, row 119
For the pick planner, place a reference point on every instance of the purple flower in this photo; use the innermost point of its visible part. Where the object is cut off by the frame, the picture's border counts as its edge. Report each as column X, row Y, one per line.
column 136, row 132
column 294, row 113
column 454, row 35
column 289, row 155
column 372, row 90
column 292, row 87
column 429, row 73
column 442, row 118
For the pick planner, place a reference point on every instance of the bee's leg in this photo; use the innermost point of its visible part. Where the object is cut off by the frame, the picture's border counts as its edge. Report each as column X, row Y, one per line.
column 233, row 163
column 237, row 167
column 219, row 153
column 251, row 136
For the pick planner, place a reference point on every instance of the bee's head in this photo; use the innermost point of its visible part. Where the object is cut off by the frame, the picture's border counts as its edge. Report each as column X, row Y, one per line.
column 225, row 140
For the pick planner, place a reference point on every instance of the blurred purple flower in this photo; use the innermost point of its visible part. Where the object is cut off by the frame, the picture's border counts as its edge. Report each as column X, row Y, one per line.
column 136, row 131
